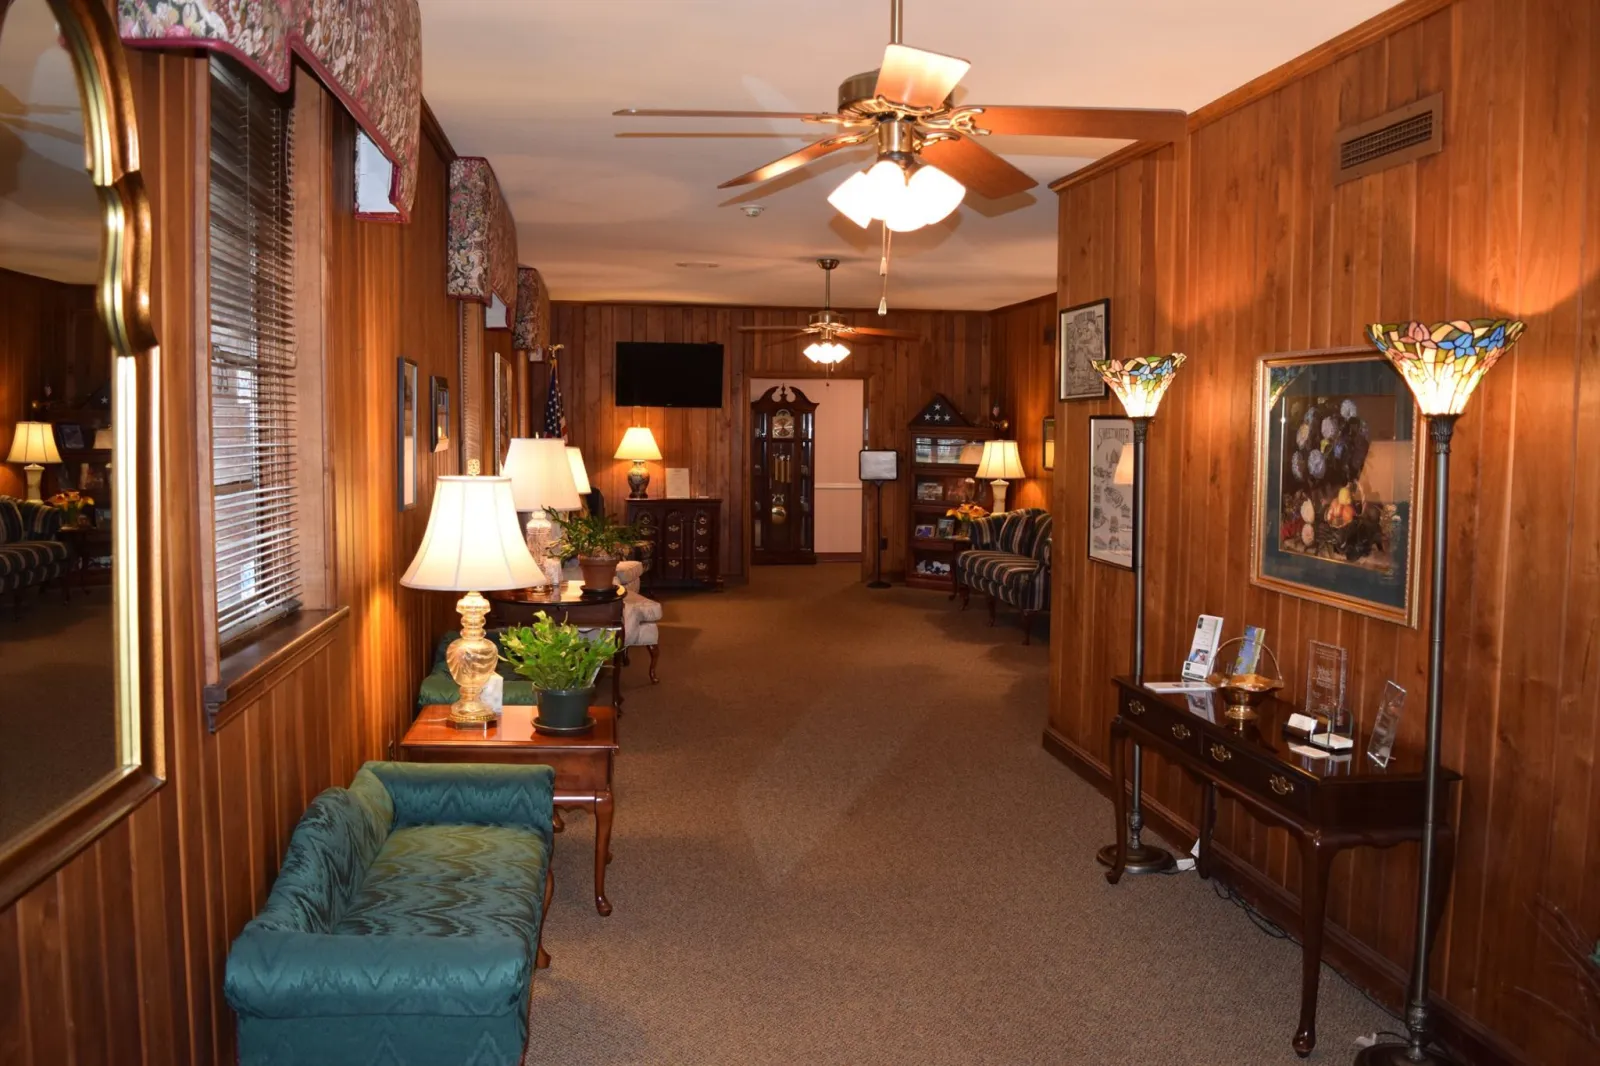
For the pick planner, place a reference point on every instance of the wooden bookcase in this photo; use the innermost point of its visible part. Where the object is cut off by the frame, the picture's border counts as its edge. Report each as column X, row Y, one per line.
column 945, row 449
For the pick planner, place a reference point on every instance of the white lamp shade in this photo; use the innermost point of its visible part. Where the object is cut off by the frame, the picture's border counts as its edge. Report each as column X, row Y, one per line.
column 35, row 442
column 104, row 440
column 1123, row 475
column 1000, row 460
column 580, row 473
column 472, row 543
column 639, row 444
column 541, row 474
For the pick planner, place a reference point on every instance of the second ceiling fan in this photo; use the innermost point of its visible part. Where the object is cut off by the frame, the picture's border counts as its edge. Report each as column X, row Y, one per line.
column 828, row 329
column 927, row 147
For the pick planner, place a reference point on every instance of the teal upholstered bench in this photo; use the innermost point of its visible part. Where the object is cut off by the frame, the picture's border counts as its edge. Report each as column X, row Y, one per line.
column 404, row 926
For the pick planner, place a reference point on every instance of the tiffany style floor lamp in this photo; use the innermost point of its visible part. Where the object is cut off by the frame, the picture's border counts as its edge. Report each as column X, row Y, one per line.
column 1442, row 364
column 1139, row 384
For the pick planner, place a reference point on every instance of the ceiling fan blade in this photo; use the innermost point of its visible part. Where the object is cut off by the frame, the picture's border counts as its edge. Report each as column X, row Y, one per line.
column 670, row 112
column 658, row 134
column 781, row 341
column 810, row 153
column 767, row 329
column 865, row 332
column 976, row 167
column 1120, row 123
column 916, row 78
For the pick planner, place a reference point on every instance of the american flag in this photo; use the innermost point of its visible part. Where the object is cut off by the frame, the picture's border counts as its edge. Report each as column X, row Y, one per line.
column 555, row 417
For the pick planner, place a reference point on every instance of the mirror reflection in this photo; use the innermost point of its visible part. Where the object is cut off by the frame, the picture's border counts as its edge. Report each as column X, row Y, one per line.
column 58, row 721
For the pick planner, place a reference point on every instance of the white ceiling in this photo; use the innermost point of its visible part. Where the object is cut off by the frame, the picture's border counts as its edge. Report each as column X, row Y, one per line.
column 531, row 85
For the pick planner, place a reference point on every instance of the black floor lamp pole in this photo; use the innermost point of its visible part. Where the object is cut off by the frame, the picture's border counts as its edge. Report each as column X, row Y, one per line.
column 877, row 581
column 1142, row 858
column 1419, row 1031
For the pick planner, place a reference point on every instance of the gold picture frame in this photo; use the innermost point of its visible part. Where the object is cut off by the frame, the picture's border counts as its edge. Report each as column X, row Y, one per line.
column 1337, row 482
column 122, row 296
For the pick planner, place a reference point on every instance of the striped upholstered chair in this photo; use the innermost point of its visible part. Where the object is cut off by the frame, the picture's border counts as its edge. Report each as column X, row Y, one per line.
column 30, row 553
column 1009, row 562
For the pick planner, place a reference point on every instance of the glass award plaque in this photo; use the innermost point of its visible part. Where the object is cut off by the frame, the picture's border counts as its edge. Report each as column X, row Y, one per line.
column 1326, row 670
column 1387, row 724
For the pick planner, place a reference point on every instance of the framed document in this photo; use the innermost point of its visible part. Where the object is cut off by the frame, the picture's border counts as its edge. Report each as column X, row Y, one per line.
column 1325, row 680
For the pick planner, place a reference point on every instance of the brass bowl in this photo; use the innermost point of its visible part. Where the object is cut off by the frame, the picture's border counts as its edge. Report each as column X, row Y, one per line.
column 1244, row 692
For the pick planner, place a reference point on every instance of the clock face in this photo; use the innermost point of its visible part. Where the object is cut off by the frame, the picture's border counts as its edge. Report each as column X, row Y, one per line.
column 783, row 424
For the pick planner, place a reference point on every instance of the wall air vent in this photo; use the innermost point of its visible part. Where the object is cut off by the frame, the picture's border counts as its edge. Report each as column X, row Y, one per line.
column 1401, row 136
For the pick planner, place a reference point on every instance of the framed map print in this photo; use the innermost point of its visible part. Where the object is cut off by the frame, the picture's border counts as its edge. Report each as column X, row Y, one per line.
column 1083, row 336
column 1111, row 491
column 1338, row 478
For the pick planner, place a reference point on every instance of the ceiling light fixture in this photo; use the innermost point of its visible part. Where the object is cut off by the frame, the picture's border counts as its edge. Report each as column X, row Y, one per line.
column 902, row 200
column 826, row 352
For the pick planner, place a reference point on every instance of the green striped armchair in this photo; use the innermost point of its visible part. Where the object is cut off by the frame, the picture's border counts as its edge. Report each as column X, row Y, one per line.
column 1009, row 562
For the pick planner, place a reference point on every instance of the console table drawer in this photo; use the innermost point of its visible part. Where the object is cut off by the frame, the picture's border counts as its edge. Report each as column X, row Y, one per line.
column 1172, row 726
column 1265, row 778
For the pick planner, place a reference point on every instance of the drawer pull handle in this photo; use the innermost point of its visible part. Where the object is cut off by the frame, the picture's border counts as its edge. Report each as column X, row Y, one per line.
column 1280, row 784
column 1181, row 731
column 1135, row 708
column 674, row 545
column 700, row 566
column 1220, row 753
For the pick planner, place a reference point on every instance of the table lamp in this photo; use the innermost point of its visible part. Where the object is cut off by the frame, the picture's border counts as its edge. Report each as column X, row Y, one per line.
column 541, row 477
column 1139, row 384
column 34, row 444
column 1000, row 461
column 472, row 544
column 1442, row 364
column 638, row 444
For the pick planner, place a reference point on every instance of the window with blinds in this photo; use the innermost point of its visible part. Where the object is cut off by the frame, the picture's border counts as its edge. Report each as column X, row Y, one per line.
column 253, row 438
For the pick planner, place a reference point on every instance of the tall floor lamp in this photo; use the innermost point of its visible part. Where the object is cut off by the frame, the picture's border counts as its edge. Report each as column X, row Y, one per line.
column 1139, row 384
column 1442, row 363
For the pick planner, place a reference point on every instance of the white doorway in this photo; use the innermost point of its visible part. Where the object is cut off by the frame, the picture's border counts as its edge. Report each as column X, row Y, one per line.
column 840, row 430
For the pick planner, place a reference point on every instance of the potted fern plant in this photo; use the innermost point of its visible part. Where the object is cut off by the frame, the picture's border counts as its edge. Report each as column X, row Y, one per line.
column 562, row 664
column 598, row 541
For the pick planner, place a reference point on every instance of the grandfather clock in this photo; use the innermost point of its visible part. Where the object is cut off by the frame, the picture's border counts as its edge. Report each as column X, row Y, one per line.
column 783, row 477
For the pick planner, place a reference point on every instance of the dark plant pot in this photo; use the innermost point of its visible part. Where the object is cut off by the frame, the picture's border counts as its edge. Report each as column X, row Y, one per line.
column 565, row 710
column 599, row 573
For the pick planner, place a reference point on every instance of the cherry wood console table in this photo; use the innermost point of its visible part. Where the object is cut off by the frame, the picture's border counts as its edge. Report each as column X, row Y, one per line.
column 1328, row 804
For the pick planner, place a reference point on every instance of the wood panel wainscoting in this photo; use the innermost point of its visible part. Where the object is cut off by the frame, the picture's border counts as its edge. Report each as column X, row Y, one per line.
column 901, row 377
column 118, row 956
column 1236, row 244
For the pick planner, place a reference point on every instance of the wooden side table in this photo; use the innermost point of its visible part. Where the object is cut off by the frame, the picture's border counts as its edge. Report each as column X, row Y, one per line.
column 583, row 764
column 85, row 542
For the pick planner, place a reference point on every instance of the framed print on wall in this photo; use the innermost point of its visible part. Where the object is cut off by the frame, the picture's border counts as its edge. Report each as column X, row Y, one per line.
column 1111, row 491
column 1048, row 460
column 1338, row 479
column 505, row 391
column 1083, row 336
column 406, row 436
column 439, row 403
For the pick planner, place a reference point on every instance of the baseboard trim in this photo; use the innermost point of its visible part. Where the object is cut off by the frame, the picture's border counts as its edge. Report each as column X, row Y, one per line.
column 838, row 557
column 1369, row 971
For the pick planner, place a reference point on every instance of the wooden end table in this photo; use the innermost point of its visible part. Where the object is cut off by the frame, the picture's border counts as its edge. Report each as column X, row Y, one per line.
column 583, row 764
column 566, row 603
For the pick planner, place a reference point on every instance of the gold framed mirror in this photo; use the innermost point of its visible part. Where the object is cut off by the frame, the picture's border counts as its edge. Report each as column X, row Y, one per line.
column 80, row 730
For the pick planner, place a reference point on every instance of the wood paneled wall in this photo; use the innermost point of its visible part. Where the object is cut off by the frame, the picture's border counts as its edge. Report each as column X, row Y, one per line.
column 1023, row 337
column 901, row 376
column 1236, row 244
column 50, row 335
column 118, row 957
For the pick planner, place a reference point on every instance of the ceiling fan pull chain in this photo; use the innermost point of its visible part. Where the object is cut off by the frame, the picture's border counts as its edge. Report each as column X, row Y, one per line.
column 883, row 271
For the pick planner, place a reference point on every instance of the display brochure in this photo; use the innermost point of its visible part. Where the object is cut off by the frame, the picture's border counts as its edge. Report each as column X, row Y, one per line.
column 1178, row 686
column 1249, row 657
column 1207, row 635
column 1387, row 723
column 1326, row 670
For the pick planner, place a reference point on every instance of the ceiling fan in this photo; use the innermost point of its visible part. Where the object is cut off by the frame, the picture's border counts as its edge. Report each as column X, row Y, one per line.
column 828, row 329
column 927, row 146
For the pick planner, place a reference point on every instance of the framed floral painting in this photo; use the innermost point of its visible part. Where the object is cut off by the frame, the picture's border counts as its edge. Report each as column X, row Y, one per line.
column 1111, row 491
column 1337, row 482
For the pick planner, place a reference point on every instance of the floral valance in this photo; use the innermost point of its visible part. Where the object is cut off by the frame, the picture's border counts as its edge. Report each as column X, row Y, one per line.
column 482, row 239
column 367, row 52
column 530, row 329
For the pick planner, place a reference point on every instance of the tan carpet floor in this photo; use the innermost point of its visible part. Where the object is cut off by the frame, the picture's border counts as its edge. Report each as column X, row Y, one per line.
column 838, row 841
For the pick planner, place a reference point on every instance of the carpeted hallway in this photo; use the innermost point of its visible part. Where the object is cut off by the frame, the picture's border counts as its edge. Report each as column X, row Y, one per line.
column 838, row 841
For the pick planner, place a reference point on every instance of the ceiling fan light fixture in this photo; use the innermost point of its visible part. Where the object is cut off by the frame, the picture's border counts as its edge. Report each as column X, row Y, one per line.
column 826, row 352
column 936, row 193
column 853, row 199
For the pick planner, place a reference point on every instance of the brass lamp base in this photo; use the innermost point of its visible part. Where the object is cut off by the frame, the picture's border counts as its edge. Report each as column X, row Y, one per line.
column 1143, row 859
column 472, row 658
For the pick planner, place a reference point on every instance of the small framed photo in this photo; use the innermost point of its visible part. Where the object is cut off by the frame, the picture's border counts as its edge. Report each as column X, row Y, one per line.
column 1082, row 337
column 406, row 419
column 1048, row 460
column 69, row 436
column 930, row 491
column 439, row 397
column 946, row 528
column 923, row 531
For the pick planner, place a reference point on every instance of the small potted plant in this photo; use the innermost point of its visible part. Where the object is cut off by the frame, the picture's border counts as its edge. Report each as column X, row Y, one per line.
column 562, row 665
column 598, row 542
column 74, row 507
column 964, row 516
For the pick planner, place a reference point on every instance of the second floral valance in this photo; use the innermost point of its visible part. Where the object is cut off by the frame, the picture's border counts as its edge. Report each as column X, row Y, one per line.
column 530, row 329
column 482, row 239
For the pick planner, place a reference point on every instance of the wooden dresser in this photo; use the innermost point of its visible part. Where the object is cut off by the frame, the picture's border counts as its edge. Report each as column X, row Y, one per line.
column 685, row 541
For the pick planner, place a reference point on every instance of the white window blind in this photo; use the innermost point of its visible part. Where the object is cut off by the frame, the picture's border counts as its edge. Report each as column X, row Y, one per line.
column 252, row 353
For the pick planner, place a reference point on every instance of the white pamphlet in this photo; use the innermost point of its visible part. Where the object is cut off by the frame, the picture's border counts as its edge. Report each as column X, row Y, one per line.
column 1207, row 635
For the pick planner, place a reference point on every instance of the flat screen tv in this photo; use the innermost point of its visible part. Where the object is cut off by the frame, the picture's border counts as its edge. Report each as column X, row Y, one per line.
column 666, row 374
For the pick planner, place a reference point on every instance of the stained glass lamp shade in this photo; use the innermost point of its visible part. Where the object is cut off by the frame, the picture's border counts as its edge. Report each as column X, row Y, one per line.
column 1140, row 383
column 1444, row 362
